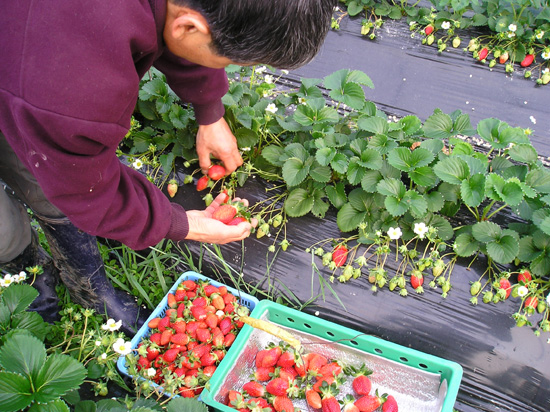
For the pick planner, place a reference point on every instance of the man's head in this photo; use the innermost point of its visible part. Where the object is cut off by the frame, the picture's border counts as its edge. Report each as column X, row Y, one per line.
column 281, row 33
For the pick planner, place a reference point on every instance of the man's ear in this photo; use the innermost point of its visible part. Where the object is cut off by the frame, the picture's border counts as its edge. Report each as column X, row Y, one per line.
column 188, row 22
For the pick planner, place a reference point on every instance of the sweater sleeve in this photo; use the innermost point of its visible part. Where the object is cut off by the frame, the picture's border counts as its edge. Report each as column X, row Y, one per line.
column 201, row 86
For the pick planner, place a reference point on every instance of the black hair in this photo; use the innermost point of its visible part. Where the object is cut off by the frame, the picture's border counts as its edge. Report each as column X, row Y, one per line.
column 281, row 33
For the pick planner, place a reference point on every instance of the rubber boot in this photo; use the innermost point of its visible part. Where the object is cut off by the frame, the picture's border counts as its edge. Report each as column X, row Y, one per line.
column 81, row 270
column 47, row 302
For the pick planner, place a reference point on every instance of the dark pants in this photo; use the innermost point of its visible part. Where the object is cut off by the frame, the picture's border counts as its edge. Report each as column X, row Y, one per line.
column 15, row 229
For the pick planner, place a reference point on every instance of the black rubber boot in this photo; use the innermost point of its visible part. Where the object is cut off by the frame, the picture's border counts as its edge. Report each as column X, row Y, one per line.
column 47, row 302
column 81, row 270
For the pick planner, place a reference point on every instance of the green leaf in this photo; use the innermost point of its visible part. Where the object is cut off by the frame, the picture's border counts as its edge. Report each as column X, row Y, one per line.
column 319, row 173
column 298, row 203
column 472, row 190
column 416, row 203
column 110, row 405
column 295, row 171
column 351, row 94
column 22, row 353
column 320, row 207
column 505, row 249
column 32, row 322
column 18, row 297
column 493, row 186
column 349, row 218
column 433, row 145
column 539, row 179
column 541, row 219
column 404, row 159
column 452, row 170
column 167, row 160
column 336, row 194
column 465, row 245
column 57, row 405
column 297, row 150
column 511, row 192
column 325, row 155
column 15, row 392
column 391, row 187
column 358, row 76
column 187, row 405
column 373, row 124
column 410, row 124
column 273, row 154
column 371, row 159
column 179, row 117
column 340, row 163
column 60, row 374
column 540, row 266
column 382, row 144
column 336, row 80
column 438, row 126
column 523, row 153
column 486, row 231
column 527, row 249
column 395, row 206
column 444, row 228
column 434, row 200
column 370, row 180
column 246, row 138
column 355, row 171
column 423, row 176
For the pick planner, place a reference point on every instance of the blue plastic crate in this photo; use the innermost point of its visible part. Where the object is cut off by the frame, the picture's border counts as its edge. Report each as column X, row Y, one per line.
column 244, row 299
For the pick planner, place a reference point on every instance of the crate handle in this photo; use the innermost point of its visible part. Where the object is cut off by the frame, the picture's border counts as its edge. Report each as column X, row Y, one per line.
column 272, row 329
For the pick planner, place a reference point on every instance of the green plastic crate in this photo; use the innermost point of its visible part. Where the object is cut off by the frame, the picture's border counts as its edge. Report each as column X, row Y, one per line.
column 397, row 362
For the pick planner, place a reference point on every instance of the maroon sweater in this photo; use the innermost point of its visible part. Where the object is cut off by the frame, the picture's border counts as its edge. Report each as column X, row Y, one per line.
column 69, row 81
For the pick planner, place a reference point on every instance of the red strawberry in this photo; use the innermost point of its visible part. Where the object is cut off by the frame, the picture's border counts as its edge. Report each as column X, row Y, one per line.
column 154, row 323
column 506, row 285
column 180, row 339
column 189, row 284
column 271, row 356
column 143, row 363
column 524, row 276
column 216, row 172
column 428, row 30
column 531, row 302
column 254, row 388
column 217, row 301
column 186, row 392
column 179, row 326
column 172, row 303
column 417, row 280
column 286, row 360
column 316, row 361
column 277, row 386
column 225, row 325
column 237, row 220
column 203, row 335
column 390, row 405
column 283, row 403
column 323, row 381
column 313, row 399
column 208, row 359
column 528, row 60
column 369, row 403
column 483, row 54
column 211, row 320
column 349, row 404
column 152, row 353
column 229, row 339
column 202, row 183
column 170, row 355
column 288, row 374
column 263, row 374
column 166, row 336
column 172, row 188
column 340, row 255
column 155, row 338
column 180, row 294
column 330, row 369
column 209, row 370
column 225, row 213
column 198, row 312
column 163, row 323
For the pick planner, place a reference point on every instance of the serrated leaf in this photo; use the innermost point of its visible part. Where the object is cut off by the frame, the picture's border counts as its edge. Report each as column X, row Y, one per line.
column 297, row 150
column 512, row 193
column 336, row 80
column 465, row 245
column 350, row 94
column 23, row 353
column 406, row 160
column 320, row 207
column 472, row 190
column 438, row 126
column 475, row 165
column 423, row 176
column 410, row 124
column 504, row 250
column 272, row 154
column 325, row 155
column 539, row 179
column 60, row 374
column 298, row 202
column 523, row 153
column 32, row 322
column 371, row 159
column 416, row 203
column 15, row 392
column 294, row 171
column 349, row 218
column 493, row 186
column 340, row 163
column 434, row 200
column 433, row 145
column 246, row 138
column 444, row 229
column 370, row 180
column 320, row 173
column 187, row 405
column 355, row 171
column 18, row 297
column 486, row 231
column 358, row 76
column 373, row 124
column 540, row 266
column 57, row 405
column 391, row 187
column 396, row 207
column 336, row 194
column 452, row 170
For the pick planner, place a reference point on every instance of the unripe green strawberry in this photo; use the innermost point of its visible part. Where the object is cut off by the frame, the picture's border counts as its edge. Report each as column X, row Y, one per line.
column 541, row 307
column 284, row 244
column 456, row 42
column 475, row 288
column 430, row 39
column 545, row 79
column 492, row 63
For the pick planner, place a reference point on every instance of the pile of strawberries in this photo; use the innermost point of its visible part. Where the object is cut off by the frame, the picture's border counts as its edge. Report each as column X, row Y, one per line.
column 187, row 343
column 282, row 376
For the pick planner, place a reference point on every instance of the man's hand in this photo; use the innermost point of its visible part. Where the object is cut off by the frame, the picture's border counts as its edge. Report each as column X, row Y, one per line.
column 217, row 140
column 203, row 228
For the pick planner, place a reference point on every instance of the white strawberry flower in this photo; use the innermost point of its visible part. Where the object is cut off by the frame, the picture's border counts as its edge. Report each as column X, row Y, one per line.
column 6, row 280
column 112, row 325
column 548, row 299
column 512, row 27
column 421, row 229
column 271, row 108
column 539, row 35
column 268, row 79
column 122, row 347
column 522, row 291
column 151, row 372
column 446, row 25
column 138, row 164
column 22, row 276
column 546, row 54
column 394, row 233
